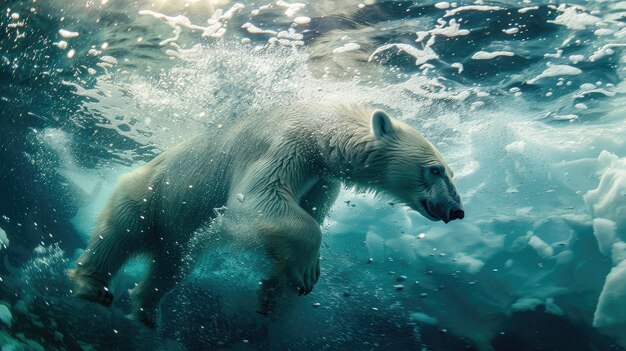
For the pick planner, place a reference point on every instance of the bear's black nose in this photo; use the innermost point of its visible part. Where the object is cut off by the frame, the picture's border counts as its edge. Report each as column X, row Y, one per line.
column 456, row 214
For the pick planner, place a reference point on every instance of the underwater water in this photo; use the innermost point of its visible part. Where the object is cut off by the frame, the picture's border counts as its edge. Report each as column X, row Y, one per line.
column 525, row 99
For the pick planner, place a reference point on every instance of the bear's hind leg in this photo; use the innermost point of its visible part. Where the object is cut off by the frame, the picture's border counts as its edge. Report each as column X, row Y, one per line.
column 166, row 271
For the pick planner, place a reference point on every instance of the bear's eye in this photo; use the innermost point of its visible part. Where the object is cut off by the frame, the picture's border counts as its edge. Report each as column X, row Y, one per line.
column 435, row 171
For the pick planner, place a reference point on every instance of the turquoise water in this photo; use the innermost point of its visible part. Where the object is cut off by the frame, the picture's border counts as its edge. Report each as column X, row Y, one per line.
column 525, row 99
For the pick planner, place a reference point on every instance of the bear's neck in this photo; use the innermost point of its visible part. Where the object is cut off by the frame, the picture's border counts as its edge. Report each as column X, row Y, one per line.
column 348, row 149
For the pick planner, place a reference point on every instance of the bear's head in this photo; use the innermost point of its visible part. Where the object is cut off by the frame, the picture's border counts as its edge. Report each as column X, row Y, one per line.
column 412, row 171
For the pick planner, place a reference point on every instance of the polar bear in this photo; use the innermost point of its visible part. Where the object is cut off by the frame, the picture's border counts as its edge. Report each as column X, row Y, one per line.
column 278, row 172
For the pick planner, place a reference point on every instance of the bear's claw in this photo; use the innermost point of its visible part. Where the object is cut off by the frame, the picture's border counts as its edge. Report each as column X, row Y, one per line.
column 305, row 291
column 304, row 279
column 148, row 321
column 145, row 317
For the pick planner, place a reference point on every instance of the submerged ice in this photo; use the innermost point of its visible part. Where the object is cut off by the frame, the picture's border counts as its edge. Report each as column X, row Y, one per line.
column 525, row 102
column 607, row 203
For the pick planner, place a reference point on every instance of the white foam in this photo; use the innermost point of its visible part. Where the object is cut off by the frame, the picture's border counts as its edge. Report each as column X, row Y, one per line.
column 558, row 54
column 16, row 24
column 606, row 50
column 214, row 29
column 443, row 28
column 529, row 8
column 252, row 29
column 61, row 44
column 597, row 91
column 261, row 8
column 285, row 42
column 421, row 56
column 346, row 48
column 290, row 34
column 566, row 117
column 302, row 20
column 576, row 58
column 421, row 35
column 232, row 11
column 471, row 8
column 484, row 55
column 109, row 59
column 511, row 30
column 177, row 31
column 603, row 32
column 588, row 86
column 442, row 5
column 93, row 51
column 555, row 71
column 573, row 17
column 426, row 67
column 68, row 34
column 290, row 8
column 451, row 30
column 458, row 66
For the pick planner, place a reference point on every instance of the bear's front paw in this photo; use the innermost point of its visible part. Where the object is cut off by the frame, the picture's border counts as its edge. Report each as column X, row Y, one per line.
column 305, row 276
column 100, row 295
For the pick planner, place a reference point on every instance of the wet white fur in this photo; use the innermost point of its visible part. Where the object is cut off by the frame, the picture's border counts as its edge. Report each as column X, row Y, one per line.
column 278, row 173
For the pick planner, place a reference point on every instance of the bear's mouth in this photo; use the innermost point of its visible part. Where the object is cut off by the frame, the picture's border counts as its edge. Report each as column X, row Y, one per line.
column 428, row 212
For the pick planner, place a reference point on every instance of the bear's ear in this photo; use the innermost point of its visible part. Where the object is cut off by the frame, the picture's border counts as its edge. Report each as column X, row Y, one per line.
column 381, row 125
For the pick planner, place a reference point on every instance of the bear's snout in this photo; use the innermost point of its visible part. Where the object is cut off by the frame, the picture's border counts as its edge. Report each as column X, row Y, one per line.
column 456, row 214
column 445, row 212
column 452, row 212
